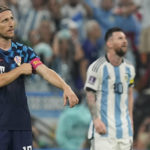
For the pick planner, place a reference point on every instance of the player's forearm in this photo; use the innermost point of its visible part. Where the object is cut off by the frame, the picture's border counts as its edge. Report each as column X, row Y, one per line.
column 9, row 77
column 130, row 104
column 91, row 100
column 51, row 76
column 131, row 111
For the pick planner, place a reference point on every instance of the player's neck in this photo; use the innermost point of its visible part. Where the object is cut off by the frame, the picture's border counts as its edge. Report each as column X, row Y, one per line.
column 114, row 59
column 5, row 44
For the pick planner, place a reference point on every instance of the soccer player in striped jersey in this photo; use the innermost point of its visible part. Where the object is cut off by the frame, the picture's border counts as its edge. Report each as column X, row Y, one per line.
column 17, row 61
column 109, row 92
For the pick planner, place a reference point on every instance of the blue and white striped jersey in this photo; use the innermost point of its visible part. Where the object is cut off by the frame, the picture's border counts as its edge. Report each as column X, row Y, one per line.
column 111, row 84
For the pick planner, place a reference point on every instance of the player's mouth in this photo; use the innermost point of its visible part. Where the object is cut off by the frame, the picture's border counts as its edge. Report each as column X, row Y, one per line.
column 11, row 31
column 125, row 46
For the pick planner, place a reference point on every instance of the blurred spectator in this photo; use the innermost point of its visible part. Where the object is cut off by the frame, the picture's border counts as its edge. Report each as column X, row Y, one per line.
column 104, row 14
column 64, row 55
column 93, row 44
column 142, row 103
column 143, row 137
column 54, row 8
column 23, row 6
column 43, row 48
column 107, row 17
column 128, row 21
column 32, row 18
column 126, row 7
column 73, row 127
column 45, row 52
column 76, row 10
column 34, row 38
column 93, row 2
column 72, row 8
column 143, row 82
column 68, row 58
column 144, row 46
column 80, row 63
column 46, row 31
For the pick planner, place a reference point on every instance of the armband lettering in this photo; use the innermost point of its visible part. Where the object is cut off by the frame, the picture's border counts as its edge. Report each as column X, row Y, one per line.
column 35, row 63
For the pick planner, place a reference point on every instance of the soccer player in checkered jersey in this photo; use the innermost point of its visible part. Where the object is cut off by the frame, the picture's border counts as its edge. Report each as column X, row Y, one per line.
column 17, row 61
column 109, row 92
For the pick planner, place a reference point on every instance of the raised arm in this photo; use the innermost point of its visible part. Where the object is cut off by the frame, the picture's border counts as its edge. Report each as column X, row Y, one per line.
column 53, row 78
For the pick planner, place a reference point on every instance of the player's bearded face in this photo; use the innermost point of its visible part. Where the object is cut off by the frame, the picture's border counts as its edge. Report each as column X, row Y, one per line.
column 120, row 44
column 121, row 52
column 7, row 37
column 7, row 24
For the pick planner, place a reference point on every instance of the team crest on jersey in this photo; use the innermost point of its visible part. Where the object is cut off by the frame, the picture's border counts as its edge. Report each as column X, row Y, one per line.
column 2, row 69
column 92, row 79
column 17, row 59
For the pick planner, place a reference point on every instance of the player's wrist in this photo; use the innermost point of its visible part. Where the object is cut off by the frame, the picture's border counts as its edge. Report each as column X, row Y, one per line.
column 66, row 87
column 96, row 118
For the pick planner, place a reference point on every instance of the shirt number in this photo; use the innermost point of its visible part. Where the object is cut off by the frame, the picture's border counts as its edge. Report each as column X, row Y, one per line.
column 27, row 148
column 118, row 88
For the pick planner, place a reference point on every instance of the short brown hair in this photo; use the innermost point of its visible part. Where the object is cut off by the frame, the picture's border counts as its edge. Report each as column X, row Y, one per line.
column 4, row 8
column 110, row 32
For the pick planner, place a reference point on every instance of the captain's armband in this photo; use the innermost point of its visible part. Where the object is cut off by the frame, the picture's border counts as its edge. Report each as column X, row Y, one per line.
column 35, row 63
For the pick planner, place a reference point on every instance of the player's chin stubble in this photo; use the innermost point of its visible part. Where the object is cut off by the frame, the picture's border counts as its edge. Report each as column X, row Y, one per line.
column 120, row 52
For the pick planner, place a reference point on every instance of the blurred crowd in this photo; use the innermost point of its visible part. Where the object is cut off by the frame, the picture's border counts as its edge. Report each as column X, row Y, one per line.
column 68, row 35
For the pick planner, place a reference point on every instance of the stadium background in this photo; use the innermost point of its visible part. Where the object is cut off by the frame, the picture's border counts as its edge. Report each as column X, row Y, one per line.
column 68, row 35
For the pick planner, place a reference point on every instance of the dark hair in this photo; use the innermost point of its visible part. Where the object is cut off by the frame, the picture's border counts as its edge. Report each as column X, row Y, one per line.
column 111, row 31
column 4, row 8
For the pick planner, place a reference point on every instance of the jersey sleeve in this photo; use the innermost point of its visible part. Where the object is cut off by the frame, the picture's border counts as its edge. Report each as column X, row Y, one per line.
column 92, row 80
column 33, row 58
column 131, row 82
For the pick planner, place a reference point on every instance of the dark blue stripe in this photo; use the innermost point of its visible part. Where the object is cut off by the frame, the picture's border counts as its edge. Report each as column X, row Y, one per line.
column 117, row 106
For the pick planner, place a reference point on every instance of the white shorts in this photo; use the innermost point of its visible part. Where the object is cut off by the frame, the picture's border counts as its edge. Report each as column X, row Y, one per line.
column 111, row 144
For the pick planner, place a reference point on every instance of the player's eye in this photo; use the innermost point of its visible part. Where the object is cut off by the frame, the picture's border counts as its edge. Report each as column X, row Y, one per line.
column 5, row 20
column 12, row 18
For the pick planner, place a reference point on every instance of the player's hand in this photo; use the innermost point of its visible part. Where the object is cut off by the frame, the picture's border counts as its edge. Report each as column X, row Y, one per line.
column 99, row 126
column 26, row 69
column 70, row 96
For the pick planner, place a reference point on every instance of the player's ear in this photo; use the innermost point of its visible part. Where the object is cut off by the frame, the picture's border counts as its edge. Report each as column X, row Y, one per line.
column 109, row 43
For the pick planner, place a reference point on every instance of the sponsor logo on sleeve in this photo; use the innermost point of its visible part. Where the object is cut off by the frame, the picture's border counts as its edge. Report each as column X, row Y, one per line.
column 92, row 80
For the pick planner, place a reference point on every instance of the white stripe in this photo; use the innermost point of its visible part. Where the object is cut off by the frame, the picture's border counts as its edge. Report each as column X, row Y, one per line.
column 123, row 102
column 111, row 103
column 111, row 95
